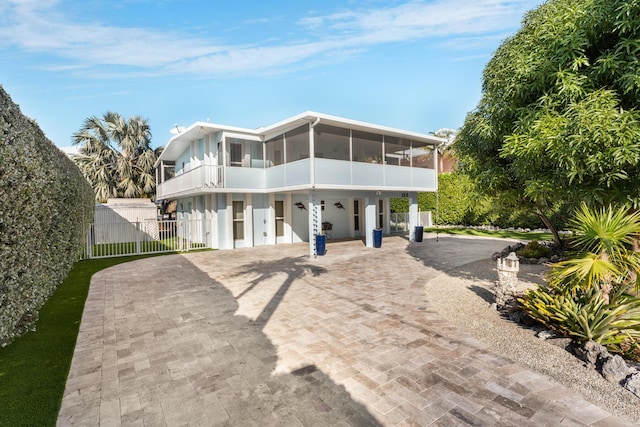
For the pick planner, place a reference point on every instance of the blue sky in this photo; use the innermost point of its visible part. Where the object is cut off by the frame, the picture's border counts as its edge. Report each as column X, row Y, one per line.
column 415, row 65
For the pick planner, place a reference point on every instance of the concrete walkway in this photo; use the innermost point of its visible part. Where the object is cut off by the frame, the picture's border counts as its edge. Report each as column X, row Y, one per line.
column 268, row 336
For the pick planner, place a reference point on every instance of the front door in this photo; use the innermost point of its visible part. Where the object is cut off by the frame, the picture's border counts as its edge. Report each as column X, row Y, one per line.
column 238, row 223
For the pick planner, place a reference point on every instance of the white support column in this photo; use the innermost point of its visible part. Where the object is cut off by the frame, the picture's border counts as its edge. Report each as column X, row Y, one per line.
column 386, row 224
column 271, row 218
column 413, row 215
column 213, row 221
column 229, row 223
column 288, row 219
column 312, row 156
column 315, row 219
column 369, row 220
column 248, row 221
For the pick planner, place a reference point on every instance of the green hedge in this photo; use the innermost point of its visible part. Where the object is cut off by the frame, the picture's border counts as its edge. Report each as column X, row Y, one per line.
column 460, row 204
column 45, row 208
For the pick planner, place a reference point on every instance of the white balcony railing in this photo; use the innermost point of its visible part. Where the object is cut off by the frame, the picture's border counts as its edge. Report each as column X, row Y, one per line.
column 198, row 178
column 295, row 174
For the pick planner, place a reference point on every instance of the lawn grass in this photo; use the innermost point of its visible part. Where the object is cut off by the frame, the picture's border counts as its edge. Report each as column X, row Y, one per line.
column 518, row 235
column 34, row 368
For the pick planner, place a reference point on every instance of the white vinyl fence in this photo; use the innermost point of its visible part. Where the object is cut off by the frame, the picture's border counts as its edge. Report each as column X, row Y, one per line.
column 399, row 221
column 121, row 238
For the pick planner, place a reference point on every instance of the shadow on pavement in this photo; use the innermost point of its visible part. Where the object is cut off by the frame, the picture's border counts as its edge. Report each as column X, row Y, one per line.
column 175, row 352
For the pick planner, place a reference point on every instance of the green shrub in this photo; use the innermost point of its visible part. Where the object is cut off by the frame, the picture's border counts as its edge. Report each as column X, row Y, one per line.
column 584, row 315
column 534, row 249
column 46, row 206
column 460, row 203
column 455, row 197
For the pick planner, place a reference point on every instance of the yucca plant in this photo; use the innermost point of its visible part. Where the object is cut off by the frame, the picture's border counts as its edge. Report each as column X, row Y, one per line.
column 606, row 239
column 594, row 295
column 585, row 315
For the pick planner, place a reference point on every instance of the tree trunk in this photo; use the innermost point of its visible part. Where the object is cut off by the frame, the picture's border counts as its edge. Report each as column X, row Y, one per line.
column 554, row 231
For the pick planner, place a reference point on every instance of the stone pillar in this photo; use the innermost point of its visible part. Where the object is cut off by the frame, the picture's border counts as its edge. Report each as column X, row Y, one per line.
column 505, row 287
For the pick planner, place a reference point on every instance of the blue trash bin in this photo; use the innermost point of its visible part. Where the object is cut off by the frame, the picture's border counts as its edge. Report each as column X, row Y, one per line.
column 377, row 237
column 418, row 233
column 321, row 242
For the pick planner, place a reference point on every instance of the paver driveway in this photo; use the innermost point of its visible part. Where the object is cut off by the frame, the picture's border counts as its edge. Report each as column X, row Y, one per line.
column 268, row 336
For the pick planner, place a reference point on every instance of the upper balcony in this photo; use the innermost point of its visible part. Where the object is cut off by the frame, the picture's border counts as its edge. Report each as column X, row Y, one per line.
column 307, row 151
column 326, row 173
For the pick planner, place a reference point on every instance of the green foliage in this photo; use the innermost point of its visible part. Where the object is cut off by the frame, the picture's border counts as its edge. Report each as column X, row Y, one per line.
column 585, row 315
column 116, row 157
column 454, row 198
column 45, row 211
column 590, row 296
column 461, row 203
column 558, row 122
column 399, row 205
column 503, row 234
column 534, row 249
column 605, row 256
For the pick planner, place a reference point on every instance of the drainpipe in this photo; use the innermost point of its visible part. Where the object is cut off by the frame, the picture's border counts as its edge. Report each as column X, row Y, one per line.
column 312, row 153
column 313, row 209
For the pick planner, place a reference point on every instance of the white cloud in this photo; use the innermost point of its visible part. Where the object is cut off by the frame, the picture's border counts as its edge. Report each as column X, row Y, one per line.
column 70, row 150
column 38, row 26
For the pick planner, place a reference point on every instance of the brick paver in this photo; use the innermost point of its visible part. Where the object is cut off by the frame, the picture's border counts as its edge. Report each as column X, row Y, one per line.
column 268, row 336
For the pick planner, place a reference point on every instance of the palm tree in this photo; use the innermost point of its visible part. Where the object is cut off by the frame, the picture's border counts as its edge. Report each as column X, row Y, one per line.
column 116, row 157
column 609, row 258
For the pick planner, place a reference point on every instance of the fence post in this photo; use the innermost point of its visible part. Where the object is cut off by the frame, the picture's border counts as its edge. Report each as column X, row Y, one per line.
column 88, row 253
column 187, row 236
column 138, row 251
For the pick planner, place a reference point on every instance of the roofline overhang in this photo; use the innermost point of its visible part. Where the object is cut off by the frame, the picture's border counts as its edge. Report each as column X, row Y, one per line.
column 198, row 129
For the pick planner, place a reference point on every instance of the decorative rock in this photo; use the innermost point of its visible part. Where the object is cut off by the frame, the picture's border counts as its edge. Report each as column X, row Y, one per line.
column 554, row 258
column 546, row 334
column 615, row 369
column 562, row 342
column 633, row 384
column 591, row 351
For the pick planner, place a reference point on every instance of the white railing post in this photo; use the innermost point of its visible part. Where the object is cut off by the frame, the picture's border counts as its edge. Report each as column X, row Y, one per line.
column 138, row 251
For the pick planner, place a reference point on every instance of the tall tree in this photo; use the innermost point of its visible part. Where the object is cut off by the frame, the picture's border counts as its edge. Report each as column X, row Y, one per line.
column 116, row 157
column 558, row 122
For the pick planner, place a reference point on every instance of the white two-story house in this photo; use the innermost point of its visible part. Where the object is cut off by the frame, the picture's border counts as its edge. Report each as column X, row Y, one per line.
column 279, row 184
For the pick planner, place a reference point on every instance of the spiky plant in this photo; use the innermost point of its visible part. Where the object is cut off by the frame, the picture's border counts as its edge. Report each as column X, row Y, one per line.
column 606, row 239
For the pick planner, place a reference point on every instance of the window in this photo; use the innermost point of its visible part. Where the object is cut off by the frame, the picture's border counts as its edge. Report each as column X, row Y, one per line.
column 275, row 151
column 238, row 220
column 397, row 151
column 236, row 154
column 367, row 147
column 244, row 153
column 331, row 142
column 279, row 208
column 380, row 213
column 356, row 215
column 422, row 155
column 168, row 171
column 297, row 142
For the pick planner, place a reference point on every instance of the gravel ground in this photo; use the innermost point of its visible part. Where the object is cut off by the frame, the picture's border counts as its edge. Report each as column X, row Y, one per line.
column 470, row 286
